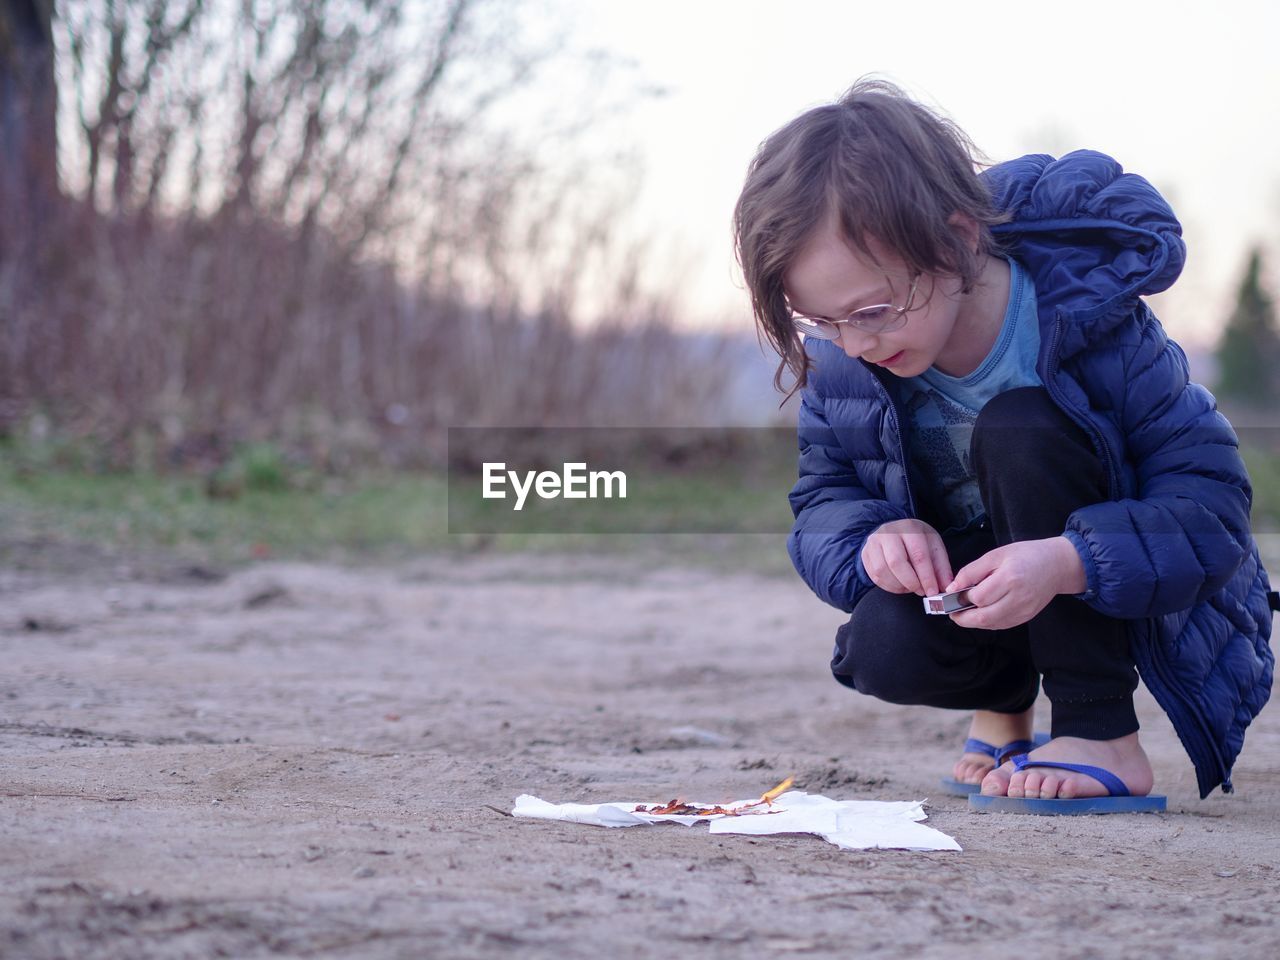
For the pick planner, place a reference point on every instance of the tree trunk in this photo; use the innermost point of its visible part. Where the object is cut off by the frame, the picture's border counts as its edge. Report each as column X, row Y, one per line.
column 28, row 112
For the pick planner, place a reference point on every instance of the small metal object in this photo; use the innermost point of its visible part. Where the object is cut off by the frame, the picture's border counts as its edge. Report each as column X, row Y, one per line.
column 944, row 603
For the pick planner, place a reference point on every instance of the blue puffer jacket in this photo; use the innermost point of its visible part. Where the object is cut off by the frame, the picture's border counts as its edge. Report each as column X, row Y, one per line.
column 1171, row 552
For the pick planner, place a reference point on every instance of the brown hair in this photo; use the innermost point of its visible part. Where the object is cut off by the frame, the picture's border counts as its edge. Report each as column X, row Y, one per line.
column 888, row 168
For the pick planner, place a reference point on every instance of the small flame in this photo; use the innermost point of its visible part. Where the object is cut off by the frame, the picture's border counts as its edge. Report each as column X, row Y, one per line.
column 781, row 788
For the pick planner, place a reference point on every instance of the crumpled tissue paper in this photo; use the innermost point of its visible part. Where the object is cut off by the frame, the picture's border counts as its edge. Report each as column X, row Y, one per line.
column 851, row 824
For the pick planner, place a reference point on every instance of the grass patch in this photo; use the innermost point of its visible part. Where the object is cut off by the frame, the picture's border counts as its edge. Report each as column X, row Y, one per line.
column 375, row 516
column 260, row 508
column 379, row 513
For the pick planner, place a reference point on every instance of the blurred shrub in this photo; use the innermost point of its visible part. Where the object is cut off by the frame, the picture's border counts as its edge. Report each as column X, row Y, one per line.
column 385, row 233
column 255, row 467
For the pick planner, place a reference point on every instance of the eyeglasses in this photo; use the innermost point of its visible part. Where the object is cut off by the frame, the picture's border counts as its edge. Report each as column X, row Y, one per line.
column 880, row 318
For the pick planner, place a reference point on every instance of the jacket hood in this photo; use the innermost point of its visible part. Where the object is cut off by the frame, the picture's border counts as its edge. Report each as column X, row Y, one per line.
column 1093, row 237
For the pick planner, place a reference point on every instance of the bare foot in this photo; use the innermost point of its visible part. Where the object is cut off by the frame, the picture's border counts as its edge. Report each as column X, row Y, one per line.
column 1123, row 757
column 996, row 729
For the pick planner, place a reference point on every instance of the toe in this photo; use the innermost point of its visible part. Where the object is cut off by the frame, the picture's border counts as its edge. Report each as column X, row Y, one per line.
column 996, row 783
column 1050, row 786
column 1079, row 785
column 970, row 771
column 1031, row 786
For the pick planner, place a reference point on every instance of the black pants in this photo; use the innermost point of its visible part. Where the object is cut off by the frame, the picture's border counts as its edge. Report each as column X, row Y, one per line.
column 1034, row 467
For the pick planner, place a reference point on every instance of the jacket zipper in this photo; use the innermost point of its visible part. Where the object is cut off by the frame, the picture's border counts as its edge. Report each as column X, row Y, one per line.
column 1099, row 441
column 1199, row 742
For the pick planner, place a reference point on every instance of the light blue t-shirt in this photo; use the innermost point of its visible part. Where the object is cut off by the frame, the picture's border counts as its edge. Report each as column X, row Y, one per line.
column 942, row 409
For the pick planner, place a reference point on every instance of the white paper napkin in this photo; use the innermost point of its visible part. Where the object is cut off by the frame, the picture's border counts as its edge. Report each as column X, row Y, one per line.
column 851, row 824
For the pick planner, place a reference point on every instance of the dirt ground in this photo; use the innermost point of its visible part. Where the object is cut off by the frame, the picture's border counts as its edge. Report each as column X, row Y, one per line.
column 304, row 761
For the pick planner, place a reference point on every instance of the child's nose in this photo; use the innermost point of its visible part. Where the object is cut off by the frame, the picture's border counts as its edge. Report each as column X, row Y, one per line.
column 855, row 342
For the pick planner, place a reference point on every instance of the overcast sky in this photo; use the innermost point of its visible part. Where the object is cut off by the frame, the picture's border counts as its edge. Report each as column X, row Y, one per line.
column 1183, row 93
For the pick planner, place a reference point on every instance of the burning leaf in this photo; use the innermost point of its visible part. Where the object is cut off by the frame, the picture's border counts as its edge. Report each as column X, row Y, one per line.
column 678, row 808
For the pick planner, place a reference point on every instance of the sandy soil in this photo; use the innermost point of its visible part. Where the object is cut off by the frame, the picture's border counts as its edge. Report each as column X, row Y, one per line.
column 302, row 760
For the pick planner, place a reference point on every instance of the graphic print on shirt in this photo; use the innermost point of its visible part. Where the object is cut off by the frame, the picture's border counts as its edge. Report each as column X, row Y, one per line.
column 940, row 452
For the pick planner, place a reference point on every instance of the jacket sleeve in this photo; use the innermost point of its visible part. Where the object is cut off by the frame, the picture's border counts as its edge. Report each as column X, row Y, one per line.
column 1184, row 534
column 834, row 512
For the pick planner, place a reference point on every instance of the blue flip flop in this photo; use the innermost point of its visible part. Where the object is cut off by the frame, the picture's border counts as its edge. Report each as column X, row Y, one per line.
column 959, row 788
column 1119, row 801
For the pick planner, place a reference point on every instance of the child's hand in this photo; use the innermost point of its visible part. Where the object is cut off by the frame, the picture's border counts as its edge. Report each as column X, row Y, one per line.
column 1011, row 584
column 906, row 556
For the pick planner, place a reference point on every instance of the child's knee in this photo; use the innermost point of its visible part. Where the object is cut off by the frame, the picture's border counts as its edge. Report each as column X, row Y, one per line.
column 1018, row 432
column 873, row 652
column 1014, row 423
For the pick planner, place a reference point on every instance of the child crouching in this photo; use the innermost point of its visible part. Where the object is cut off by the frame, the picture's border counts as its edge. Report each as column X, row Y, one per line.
column 989, row 406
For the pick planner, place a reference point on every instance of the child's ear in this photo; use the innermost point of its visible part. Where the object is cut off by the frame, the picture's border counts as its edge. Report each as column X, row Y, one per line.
column 967, row 227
